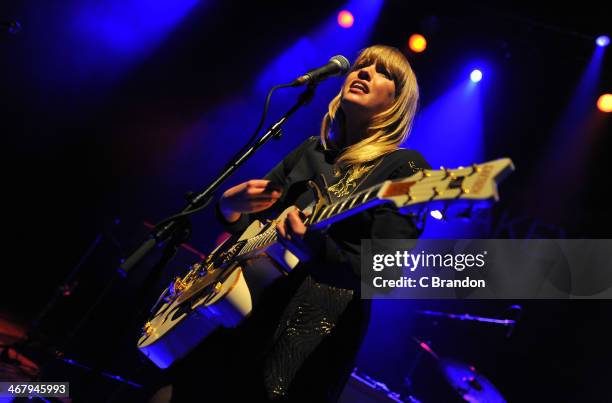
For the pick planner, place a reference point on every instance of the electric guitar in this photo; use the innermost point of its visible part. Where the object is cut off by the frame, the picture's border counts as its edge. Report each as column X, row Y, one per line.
column 221, row 289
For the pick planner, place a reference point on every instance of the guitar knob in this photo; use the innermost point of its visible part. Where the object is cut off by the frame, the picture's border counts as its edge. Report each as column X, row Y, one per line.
column 148, row 329
column 218, row 287
column 179, row 285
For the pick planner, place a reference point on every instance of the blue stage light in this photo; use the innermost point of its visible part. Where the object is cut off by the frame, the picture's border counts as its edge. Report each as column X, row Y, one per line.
column 602, row 40
column 476, row 76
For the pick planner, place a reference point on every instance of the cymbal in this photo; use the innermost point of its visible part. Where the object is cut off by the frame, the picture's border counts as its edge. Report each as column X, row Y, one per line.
column 471, row 385
column 463, row 379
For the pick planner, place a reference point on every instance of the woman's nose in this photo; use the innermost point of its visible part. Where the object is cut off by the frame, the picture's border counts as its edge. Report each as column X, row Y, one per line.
column 364, row 74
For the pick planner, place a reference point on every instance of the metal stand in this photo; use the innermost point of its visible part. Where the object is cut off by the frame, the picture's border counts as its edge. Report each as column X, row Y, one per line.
column 174, row 230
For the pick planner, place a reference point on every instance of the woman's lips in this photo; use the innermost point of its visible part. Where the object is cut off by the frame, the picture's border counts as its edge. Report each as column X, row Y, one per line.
column 358, row 87
column 356, row 90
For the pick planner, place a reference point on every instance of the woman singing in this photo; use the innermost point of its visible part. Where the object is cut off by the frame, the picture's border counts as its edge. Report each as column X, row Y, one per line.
column 301, row 340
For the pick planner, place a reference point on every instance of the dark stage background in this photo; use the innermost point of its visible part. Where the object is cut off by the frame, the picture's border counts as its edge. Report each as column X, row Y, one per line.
column 107, row 123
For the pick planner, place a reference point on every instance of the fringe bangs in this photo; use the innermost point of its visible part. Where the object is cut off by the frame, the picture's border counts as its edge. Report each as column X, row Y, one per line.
column 390, row 128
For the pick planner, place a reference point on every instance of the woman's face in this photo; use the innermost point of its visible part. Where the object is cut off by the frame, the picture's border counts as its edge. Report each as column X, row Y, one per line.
column 369, row 89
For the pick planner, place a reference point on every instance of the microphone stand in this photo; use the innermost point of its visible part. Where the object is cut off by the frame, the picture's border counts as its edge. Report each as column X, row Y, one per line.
column 176, row 229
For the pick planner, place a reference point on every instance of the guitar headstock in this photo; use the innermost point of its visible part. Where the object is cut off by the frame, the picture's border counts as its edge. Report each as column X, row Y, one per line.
column 452, row 191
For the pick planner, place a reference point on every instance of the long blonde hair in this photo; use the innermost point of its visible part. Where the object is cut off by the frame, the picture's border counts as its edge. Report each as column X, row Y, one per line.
column 388, row 129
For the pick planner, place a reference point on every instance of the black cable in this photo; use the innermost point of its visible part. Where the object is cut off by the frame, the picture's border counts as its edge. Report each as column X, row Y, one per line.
column 261, row 122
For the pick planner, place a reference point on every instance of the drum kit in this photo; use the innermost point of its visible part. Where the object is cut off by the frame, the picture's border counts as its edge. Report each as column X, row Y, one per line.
column 433, row 378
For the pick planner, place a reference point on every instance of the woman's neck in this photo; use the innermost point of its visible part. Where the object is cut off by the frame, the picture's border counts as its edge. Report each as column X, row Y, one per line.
column 354, row 131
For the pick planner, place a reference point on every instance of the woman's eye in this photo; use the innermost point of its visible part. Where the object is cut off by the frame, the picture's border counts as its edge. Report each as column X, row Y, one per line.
column 385, row 73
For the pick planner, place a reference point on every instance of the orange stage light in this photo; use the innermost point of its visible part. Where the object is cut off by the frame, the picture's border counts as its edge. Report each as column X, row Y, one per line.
column 604, row 103
column 417, row 43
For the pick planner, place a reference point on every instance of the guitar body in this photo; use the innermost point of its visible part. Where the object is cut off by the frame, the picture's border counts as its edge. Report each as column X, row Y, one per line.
column 211, row 297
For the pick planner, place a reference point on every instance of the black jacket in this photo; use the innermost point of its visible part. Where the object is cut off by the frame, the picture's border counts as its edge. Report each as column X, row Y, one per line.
column 301, row 340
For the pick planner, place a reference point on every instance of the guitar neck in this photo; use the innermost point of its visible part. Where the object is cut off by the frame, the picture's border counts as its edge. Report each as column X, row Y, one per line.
column 456, row 192
column 323, row 218
column 340, row 210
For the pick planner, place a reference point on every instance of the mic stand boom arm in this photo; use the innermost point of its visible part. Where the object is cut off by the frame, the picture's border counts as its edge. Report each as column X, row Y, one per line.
column 175, row 229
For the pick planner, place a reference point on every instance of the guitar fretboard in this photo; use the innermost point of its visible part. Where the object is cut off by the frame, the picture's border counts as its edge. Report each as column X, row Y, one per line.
column 322, row 218
column 259, row 241
column 349, row 206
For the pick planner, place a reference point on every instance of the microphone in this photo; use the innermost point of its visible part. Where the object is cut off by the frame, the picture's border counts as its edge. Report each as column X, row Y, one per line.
column 337, row 66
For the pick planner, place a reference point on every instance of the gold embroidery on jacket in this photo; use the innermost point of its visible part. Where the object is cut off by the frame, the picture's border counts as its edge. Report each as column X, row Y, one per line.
column 413, row 166
column 348, row 182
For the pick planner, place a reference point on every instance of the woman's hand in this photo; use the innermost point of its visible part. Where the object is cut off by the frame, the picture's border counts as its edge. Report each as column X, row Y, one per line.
column 292, row 234
column 248, row 197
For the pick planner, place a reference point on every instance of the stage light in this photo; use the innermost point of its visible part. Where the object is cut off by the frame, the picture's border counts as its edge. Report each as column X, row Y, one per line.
column 345, row 19
column 417, row 43
column 604, row 103
column 436, row 214
column 476, row 76
column 602, row 40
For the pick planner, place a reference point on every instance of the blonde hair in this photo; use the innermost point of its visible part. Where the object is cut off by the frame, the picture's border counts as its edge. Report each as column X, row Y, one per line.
column 388, row 129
